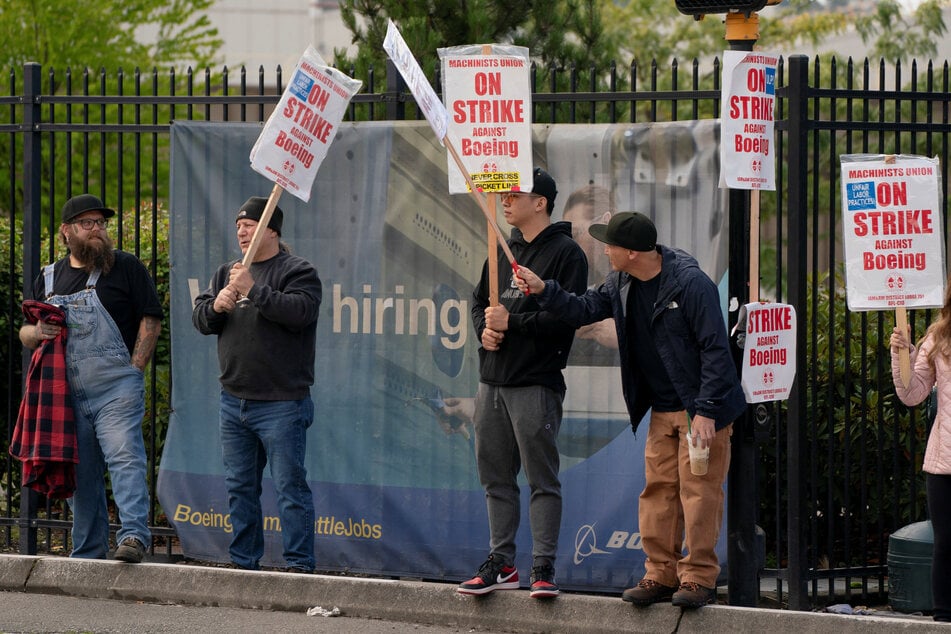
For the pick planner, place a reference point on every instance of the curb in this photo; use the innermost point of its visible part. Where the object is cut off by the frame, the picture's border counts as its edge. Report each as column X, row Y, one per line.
column 416, row 602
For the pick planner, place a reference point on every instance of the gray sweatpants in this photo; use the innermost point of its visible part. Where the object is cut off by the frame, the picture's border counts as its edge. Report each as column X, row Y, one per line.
column 518, row 427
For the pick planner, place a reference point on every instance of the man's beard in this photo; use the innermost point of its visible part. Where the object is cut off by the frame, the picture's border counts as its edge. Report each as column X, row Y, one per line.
column 94, row 254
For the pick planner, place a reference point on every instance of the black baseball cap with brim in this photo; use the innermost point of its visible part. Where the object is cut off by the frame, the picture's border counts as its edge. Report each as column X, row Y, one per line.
column 629, row 230
column 78, row 205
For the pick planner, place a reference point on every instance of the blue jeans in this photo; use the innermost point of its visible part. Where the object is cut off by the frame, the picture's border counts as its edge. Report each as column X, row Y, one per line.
column 109, row 402
column 274, row 432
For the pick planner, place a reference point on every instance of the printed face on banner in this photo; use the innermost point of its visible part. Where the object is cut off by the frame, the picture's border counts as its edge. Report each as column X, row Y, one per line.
column 892, row 233
column 747, row 155
column 489, row 101
column 298, row 133
column 769, row 353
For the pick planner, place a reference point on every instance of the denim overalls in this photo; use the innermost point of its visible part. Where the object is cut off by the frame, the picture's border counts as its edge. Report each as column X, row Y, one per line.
column 108, row 395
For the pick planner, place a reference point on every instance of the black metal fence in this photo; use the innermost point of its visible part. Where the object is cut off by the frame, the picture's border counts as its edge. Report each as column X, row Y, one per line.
column 835, row 469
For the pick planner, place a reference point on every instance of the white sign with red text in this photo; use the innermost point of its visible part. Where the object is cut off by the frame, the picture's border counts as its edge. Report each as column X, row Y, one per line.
column 299, row 132
column 891, row 222
column 747, row 106
column 769, row 352
column 488, row 97
column 426, row 98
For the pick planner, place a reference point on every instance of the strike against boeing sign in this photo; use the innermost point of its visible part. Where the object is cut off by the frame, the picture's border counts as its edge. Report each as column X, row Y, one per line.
column 891, row 223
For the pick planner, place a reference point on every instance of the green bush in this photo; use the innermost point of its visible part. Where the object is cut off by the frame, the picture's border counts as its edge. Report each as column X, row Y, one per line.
column 863, row 480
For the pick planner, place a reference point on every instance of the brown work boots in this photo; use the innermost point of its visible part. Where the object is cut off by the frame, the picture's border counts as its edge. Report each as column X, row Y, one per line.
column 689, row 595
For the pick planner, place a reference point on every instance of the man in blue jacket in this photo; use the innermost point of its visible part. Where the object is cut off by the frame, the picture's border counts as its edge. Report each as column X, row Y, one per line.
column 675, row 361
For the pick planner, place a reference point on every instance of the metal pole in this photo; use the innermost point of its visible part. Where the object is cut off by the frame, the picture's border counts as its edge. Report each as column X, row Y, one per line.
column 32, row 227
column 796, row 444
column 742, row 553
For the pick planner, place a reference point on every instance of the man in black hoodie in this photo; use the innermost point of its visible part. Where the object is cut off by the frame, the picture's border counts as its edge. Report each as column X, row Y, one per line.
column 518, row 406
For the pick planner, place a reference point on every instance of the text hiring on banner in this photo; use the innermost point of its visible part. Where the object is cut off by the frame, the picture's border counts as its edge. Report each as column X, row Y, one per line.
column 297, row 135
column 769, row 351
column 487, row 92
column 747, row 153
column 891, row 223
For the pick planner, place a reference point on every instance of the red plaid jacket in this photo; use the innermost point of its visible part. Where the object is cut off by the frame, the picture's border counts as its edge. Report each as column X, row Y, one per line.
column 44, row 437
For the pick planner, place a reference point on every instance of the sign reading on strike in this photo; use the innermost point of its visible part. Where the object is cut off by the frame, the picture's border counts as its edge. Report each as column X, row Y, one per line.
column 426, row 98
column 489, row 102
column 769, row 352
column 747, row 154
column 891, row 221
column 299, row 132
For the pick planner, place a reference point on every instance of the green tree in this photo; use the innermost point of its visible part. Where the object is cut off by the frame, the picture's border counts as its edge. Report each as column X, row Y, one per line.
column 658, row 31
column 557, row 33
column 107, row 33
column 93, row 41
column 899, row 36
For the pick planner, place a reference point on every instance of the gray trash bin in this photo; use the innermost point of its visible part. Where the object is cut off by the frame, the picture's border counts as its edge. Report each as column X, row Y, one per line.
column 910, row 551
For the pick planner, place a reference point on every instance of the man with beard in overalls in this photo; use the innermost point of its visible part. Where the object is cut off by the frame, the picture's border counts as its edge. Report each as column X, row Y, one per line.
column 113, row 320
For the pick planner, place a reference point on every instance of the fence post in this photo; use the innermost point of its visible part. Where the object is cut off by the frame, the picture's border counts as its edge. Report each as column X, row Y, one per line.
column 742, row 557
column 32, row 227
column 797, row 460
column 395, row 87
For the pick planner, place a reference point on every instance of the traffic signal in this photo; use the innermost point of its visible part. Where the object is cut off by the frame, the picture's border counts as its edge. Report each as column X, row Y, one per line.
column 703, row 7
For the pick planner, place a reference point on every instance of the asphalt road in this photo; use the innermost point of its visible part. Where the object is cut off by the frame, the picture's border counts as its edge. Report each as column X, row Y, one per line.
column 34, row 613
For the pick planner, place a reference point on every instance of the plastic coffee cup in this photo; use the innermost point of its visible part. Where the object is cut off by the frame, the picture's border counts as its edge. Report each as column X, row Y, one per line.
column 699, row 457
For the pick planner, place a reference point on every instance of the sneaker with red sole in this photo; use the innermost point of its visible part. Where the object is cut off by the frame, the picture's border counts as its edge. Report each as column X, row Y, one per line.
column 543, row 583
column 492, row 575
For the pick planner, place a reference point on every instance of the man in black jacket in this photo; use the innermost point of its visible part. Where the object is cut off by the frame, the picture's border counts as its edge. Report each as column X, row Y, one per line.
column 518, row 405
column 265, row 316
column 676, row 361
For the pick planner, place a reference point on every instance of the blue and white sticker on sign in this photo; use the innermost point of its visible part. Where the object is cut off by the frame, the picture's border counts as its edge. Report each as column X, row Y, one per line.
column 770, row 87
column 301, row 85
column 860, row 195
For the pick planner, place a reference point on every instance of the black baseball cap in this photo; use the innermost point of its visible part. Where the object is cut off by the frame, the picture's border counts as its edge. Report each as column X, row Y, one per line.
column 544, row 185
column 78, row 205
column 628, row 229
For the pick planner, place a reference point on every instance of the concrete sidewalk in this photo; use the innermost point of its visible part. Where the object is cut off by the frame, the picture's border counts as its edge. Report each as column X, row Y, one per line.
column 413, row 602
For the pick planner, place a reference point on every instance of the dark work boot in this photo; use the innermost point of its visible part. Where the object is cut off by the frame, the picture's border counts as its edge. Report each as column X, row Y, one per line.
column 692, row 595
column 646, row 592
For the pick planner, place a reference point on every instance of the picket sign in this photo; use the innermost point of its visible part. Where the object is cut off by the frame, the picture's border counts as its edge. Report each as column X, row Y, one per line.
column 297, row 135
column 438, row 118
column 892, row 239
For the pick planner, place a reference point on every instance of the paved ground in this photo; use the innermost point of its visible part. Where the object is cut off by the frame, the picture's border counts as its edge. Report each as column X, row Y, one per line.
column 411, row 602
column 33, row 613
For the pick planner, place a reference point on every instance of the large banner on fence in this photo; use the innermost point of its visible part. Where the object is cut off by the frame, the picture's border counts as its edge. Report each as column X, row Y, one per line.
column 391, row 467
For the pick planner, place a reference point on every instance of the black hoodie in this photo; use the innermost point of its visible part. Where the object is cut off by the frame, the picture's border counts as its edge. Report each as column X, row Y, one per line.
column 536, row 344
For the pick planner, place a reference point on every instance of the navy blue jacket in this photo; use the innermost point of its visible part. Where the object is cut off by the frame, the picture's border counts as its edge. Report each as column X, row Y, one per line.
column 688, row 330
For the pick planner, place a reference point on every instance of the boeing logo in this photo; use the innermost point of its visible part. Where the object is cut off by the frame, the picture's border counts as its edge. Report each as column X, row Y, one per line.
column 586, row 542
